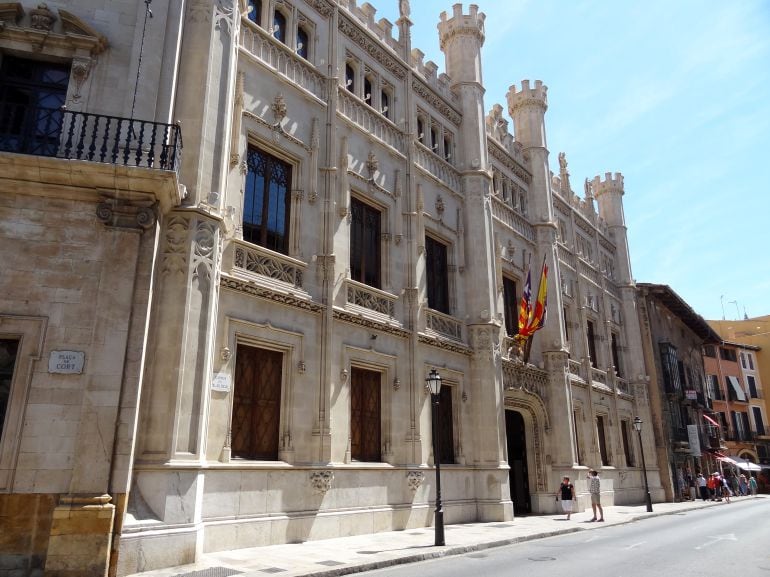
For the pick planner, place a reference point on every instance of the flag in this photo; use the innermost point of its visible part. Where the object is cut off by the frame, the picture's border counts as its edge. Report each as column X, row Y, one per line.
column 525, row 307
column 538, row 315
column 533, row 318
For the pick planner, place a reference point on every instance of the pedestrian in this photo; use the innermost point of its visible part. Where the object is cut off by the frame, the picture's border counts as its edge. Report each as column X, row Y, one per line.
column 726, row 490
column 704, row 490
column 734, row 485
column 594, row 487
column 742, row 486
column 753, row 486
column 566, row 493
column 712, row 485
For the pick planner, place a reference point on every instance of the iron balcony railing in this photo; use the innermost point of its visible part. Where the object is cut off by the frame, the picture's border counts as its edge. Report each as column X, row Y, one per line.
column 61, row 133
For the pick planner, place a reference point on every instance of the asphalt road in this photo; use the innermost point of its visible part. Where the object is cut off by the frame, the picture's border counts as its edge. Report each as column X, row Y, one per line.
column 727, row 540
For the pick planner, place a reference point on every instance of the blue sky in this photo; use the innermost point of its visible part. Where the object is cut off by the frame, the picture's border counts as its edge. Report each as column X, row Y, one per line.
column 673, row 94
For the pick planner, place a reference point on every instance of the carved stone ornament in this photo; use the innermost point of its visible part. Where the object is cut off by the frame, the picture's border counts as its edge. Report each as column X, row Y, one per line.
column 372, row 164
column 301, row 367
column 440, row 206
column 344, row 375
column 396, row 384
column 120, row 213
column 41, row 18
column 414, row 479
column 226, row 354
column 279, row 109
column 321, row 481
column 80, row 71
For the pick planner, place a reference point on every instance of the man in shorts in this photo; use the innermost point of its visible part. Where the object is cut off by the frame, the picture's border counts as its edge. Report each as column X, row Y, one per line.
column 594, row 487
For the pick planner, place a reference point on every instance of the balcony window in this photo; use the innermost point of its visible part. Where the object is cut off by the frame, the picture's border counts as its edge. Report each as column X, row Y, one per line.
column 591, row 335
column 385, row 104
column 350, row 78
column 267, row 201
column 510, row 307
column 437, row 274
column 32, row 93
column 365, row 243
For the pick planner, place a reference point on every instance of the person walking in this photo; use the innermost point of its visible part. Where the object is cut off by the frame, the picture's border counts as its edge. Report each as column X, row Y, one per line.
column 566, row 493
column 753, row 486
column 594, row 488
column 702, row 488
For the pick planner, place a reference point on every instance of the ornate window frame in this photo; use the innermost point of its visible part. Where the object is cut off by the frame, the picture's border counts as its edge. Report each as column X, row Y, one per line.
column 59, row 38
column 31, row 334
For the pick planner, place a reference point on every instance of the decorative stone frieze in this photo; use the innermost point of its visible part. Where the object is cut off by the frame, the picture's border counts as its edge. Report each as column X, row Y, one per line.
column 321, row 481
column 371, row 46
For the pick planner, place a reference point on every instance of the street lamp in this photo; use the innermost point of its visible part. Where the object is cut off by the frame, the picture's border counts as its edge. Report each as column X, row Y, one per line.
column 638, row 427
column 433, row 380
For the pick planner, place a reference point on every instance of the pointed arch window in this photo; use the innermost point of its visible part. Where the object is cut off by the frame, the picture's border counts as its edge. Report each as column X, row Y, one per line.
column 279, row 26
column 303, row 42
column 255, row 12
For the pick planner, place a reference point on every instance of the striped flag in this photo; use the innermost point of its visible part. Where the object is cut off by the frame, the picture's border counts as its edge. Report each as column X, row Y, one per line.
column 525, row 307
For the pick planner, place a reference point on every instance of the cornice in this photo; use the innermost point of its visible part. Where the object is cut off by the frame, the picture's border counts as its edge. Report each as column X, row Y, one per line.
column 254, row 290
column 323, row 7
column 499, row 154
column 446, row 345
column 354, row 319
column 437, row 101
column 372, row 46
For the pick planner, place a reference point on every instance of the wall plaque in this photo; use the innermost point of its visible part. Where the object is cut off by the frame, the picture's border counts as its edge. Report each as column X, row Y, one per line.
column 221, row 382
column 66, row 362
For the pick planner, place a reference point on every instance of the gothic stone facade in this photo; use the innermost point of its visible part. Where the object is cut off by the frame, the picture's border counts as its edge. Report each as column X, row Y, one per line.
column 344, row 220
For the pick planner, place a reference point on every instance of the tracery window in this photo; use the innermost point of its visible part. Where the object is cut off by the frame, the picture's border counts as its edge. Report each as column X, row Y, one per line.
column 267, row 200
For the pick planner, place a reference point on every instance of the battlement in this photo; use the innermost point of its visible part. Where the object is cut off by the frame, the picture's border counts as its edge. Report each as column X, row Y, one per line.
column 611, row 183
column 366, row 14
column 442, row 83
column 527, row 94
column 471, row 23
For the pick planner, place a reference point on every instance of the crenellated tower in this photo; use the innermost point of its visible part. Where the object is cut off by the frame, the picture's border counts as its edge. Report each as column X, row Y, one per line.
column 609, row 195
column 527, row 107
column 461, row 38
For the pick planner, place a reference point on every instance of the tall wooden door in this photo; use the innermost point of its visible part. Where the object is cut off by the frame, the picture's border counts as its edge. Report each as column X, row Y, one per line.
column 517, row 461
column 256, row 403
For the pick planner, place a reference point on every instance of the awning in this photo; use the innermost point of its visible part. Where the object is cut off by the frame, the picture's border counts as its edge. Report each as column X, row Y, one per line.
column 710, row 420
column 739, row 395
column 740, row 463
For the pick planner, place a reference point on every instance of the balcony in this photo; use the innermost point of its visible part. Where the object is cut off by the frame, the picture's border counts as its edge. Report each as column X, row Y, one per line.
column 61, row 133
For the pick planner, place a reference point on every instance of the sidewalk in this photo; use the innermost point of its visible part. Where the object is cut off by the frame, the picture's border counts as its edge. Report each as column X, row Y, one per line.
column 346, row 555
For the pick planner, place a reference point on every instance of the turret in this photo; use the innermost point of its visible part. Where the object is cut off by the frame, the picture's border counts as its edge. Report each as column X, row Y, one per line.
column 527, row 109
column 462, row 37
column 609, row 195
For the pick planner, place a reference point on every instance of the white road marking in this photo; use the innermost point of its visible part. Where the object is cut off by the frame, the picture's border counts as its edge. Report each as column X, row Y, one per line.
column 635, row 545
column 717, row 538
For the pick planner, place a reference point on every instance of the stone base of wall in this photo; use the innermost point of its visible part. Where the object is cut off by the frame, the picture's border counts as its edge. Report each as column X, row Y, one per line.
column 25, row 525
column 81, row 536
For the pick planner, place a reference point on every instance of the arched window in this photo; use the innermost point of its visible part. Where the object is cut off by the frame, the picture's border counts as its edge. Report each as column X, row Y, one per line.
column 255, row 12
column 350, row 78
column 279, row 26
column 385, row 104
column 303, row 42
column 368, row 90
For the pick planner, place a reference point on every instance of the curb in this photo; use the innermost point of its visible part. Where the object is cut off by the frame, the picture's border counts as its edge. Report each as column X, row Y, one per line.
column 462, row 549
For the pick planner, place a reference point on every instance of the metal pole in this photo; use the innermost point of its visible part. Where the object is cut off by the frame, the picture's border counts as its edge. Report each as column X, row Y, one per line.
column 644, row 471
column 439, row 514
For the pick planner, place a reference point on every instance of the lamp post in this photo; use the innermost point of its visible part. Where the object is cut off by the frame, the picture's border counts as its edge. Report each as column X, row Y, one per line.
column 433, row 381
column 638, row 427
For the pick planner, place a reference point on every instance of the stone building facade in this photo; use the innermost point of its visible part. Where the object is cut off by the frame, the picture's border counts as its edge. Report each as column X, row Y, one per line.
column 230, row 349
column 674, row 336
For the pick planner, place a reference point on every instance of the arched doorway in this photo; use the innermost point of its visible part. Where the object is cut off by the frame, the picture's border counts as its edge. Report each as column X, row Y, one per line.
column 515, row 433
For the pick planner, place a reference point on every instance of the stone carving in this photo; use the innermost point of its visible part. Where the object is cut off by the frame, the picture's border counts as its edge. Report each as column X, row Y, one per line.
column 322, row 7
column 204, row 244
column 370, row 300
column 279, row 109
column 224, row 12
column 263, row 264
column 396, row 384
column 372, row 164
column 301, row 367
column 344, row 375
column 403, row 9
column 80, row 70
column 125, row 214
column 321, row 481
column 252, row 289
column 414, row 479
column 174, row 256
column 199, row 11
column 444, row 325
column 41, row 18
column 440, row 206
column 226, row 354
column 359, row 320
